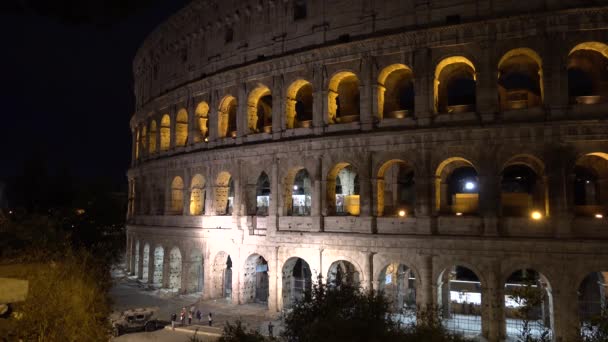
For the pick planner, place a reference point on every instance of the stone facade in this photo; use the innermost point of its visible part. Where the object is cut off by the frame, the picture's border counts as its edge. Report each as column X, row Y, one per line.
column 402, row 145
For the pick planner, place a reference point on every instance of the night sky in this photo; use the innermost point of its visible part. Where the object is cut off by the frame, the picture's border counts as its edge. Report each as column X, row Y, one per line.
column 67, row 87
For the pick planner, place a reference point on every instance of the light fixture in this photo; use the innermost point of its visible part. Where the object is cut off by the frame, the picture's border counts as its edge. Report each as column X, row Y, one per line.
column 587, row 182
column 402, row 213
column 536, row 215
column 469, row 185
column 599, row 216
column 206, row 139
column 458, row 214
column 295, row 187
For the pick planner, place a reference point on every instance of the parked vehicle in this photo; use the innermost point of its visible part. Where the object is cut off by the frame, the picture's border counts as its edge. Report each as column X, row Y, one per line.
column 131, row 320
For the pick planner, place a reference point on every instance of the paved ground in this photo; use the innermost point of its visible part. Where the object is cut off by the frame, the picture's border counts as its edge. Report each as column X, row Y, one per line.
column 129, row 293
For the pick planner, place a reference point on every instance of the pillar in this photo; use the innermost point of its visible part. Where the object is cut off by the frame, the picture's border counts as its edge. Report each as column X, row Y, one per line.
column 273, row 280
column 319, row 100
column 493, row 303
column 128, row 253
column 556, row 195
column 151, row 262
column 365, row 184
column 487, row 88
column 318, row 191
column 489, row 201
column 213, row 116
column 242, row 127
column 186, row 263
column 423, row 96
column 166, row 266
column 278, row 96
column 425, row 288
column 368, row 269
column 555, row 76
column 365, row 94
column 140, row 265
column 565, row 311
column 273, row 209
column 173, row 116
column 135, row 147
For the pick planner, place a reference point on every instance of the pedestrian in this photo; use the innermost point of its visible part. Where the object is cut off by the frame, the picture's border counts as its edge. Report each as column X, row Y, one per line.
column 210, row 319
column 199, row 316
column 270, row 327
column 182, row 316
column 190, row 318
column 173, row 319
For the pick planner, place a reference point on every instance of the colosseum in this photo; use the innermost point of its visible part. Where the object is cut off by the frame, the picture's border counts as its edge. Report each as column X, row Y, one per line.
column 446, row 152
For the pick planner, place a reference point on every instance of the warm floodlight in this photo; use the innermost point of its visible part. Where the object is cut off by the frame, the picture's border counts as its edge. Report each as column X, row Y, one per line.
column 458, row 214
column 536, row 215
column 599, row 216
column 469, row 185
column 402, row 213
column 206, row 139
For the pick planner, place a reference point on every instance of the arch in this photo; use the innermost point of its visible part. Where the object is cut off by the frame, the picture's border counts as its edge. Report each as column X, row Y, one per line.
column 523, row 186
column 590, row 185
column 459, row 297
column 227, row 117
column 255, row 282
column 398, row 283
column 202, row 115
column 396, row 191
column 181, row 128
column 224, row 194
column 343, row 98
column 456, row 193
column 395, row 91
column 145, row 277
column 452, row 69
column 520, row 79
column 165, row 133
column 159, row 260
column 592, row 302
column 221, row 276
column 175, row 269
column 259, row 110
column 195, row 271
column 136, row 270
column 588, row 73
column 297, row 280
column 343, row 190
column 528, row 304
column 197, row 195
column 298, row 104
column 153, row 134
column 262, row 195
column 343, row 272
column 297, row 193
column 177, row 195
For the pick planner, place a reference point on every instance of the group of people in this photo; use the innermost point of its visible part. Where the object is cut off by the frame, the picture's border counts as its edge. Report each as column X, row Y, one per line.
column 190, row 314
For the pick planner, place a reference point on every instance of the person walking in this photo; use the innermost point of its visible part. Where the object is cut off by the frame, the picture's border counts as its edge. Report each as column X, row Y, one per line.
column 182, row 316
column 210, row 317
column 190, row 318
column 173, row 319
column 199, row 316
column 270, row 328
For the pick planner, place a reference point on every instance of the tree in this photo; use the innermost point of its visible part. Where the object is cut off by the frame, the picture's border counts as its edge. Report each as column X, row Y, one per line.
column 530, row 297
column 237, row 333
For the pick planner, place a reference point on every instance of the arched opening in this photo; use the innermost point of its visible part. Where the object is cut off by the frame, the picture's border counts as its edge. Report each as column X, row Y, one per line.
column 202, row 116
column 457, row 188
column 144, row 139
column 227, row 117
column 145, row 263
column 297, row 281
column 175, row 269
column 255, row 280
column 197, row 195
column 395, row 92
column 224, row 194
column 343, row 190
column 455, row 85
column 298, row 199
column 298, row 105
column 591, row 186
column 528, row 305
column 460, row 301
column 177, row 196
column 165, row 133
column 523, row 192
column 588, row 73
column 222, row 276
column 520, row 79
column 262, row 195
column 343, row 98
column 259, row 110
column 342, row 272
column 592, row 305
column 137, row 142
column 398, row 283
column 396, row 189
column 136, row 270
column 181, row 128
column 195, row 271
column 159, row 259
column 153, row 134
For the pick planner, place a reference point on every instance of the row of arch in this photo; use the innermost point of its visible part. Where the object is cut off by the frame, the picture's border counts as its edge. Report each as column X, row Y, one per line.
column 522, row 189
column 520, row 85
column 460, row 293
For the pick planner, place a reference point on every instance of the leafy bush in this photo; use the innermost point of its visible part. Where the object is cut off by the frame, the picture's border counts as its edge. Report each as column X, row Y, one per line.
column 238, row 333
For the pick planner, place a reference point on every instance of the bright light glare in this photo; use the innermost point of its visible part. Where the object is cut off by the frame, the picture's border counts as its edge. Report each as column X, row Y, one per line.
column 295, row 187
column 402, row 213
column 469, row 185
column 536, row 215
column 599, row 216
column 458, row 214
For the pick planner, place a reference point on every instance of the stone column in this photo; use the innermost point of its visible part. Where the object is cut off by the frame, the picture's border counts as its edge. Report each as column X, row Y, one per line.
column 135, row 148
column 318, row 191
column 489, row 201
column 365, row 96
column 166, row 267
column 151, row 264
column 242, row 127
column 425, row 287
column 365, row 191
column 194, row 133
column 368, row 269
column 140, row 265
column 423, row 95
column 186, row 263
column 173, row 116
column 273, row 280
column 213, row 115
column 556, row 195
column 278, row 95
column 565, row 311
column 487, row 87
column 319, row 100
column 273, row 209
column 555, row 76
column 493, row 304
column 128, row 253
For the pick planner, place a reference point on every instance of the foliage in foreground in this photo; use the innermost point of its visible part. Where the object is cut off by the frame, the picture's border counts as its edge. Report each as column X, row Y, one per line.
column 237, row 333
column 596, row 328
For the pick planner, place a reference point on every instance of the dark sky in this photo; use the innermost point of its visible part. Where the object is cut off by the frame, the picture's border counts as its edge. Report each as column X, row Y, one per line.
column 66, row 82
